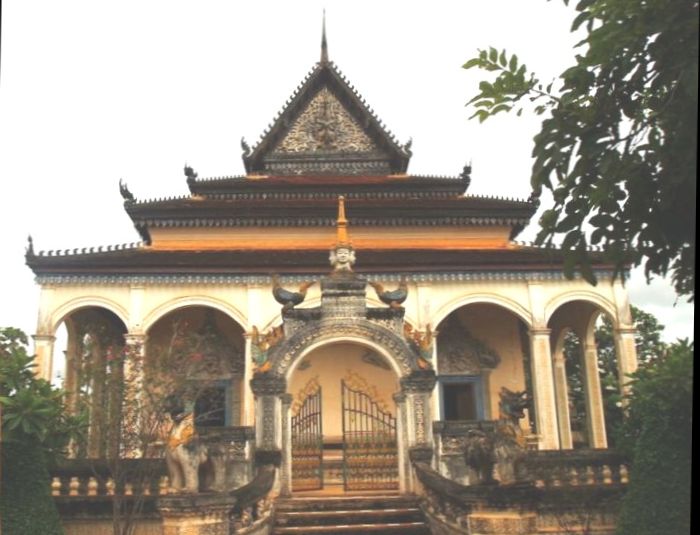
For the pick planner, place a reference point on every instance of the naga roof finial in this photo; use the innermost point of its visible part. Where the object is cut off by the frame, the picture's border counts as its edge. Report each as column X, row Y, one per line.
column 324, row 43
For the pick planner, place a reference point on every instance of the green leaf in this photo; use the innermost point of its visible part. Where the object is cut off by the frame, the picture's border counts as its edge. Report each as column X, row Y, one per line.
column 474, row 62
column 513, row 65
column 493, row 54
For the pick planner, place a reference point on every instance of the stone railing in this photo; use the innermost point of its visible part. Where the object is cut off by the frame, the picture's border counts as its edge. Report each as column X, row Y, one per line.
column 253, row 504
column 78, row 478
column 573, row 468
column 553, row 489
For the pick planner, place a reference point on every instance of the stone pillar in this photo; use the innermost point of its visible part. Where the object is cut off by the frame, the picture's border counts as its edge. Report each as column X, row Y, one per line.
column 43, row 348
column 626, row 353
column 256, row 294
column 402, row 443
column 416, row 390
column 195, row 514
column 595, row 414
column 269, row 390
column 132, row 409
column 543, row 386
column 286, row 466
column 499, row 522
column 417, row 387
column 562, row 397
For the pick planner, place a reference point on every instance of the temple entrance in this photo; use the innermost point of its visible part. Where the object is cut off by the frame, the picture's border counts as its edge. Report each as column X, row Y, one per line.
column 370, row 455
column 307, row 442
column 342, row 420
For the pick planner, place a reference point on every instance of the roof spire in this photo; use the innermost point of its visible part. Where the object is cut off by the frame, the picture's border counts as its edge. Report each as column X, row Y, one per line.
column 342, row 255
column 324, row 43
column 342, row 238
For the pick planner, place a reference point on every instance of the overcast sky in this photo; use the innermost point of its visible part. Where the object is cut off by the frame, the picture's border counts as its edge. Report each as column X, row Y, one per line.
column 95, row 91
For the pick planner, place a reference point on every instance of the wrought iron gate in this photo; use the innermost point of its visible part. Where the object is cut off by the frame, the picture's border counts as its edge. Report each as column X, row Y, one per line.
column 307, row 444
column 370, row 459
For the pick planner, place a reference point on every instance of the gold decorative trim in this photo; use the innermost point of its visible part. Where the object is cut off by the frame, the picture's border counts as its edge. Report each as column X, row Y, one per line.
column 356, row 382
column 311, row 388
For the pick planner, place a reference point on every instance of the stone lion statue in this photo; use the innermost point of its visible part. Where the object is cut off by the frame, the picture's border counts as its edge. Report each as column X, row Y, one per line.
column 479, row 456
column 187, row 456
column 509, row 441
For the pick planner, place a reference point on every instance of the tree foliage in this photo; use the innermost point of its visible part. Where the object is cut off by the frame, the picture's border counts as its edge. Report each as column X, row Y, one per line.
column 34, row 427
column 657, row 433
column 617, row 146
column 32, row 410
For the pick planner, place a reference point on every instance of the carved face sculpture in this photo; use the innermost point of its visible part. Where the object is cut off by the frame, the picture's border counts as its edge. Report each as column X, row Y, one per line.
column 342, row 258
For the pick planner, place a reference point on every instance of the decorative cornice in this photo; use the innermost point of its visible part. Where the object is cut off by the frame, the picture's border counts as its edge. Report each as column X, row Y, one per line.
column 419, row 381
column 268, row 384
column 327, row 221
column 197, row 278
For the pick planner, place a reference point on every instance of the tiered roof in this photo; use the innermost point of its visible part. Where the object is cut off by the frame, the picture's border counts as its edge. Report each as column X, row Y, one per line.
column 326, row 142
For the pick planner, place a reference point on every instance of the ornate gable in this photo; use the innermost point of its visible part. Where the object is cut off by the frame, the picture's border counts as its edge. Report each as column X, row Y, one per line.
column 326, row 129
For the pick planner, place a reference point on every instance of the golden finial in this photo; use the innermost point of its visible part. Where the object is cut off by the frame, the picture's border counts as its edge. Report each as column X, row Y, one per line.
column 342, row 255
column 342, row 225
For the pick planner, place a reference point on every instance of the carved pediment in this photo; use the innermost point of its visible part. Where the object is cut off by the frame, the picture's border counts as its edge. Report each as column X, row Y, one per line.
column 459, row 353
column 325, row 126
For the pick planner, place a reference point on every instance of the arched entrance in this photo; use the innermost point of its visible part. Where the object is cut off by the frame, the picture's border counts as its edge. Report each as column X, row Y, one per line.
column 343, row 420
column 342, row 319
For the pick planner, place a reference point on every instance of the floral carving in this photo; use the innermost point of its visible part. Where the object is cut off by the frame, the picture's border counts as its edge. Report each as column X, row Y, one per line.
column 325, row 126
column 460, row 353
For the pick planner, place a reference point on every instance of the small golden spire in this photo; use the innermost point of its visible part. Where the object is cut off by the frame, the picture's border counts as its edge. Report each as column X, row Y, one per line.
column 342, row 225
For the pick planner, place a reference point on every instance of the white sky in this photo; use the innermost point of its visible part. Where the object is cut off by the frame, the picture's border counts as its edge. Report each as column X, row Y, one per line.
column 91, row 92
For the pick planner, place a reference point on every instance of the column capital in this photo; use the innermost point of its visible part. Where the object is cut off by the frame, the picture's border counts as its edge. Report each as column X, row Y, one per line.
column 134, row 338
column 268, row 384
column 44, row 338
column 418, row 381
column 399, row 397
column 625, row 330
column 540, row 331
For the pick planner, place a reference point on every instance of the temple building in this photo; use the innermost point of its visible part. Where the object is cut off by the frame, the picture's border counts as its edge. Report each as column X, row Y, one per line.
column 355, row 329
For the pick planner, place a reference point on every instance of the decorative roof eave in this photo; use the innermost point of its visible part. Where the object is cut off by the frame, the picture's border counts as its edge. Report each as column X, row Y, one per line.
column 189, row 279
column 142, row 260
column 313, row 184
column 304, row 221
column 326, row 73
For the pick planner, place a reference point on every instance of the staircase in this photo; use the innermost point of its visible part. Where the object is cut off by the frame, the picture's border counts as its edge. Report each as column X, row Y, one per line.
column 350, row 515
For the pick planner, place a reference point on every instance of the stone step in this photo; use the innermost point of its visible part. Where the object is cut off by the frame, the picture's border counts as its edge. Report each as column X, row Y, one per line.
column 348, row 516
column 386, row 514
column 326, row 503
column 398, row 528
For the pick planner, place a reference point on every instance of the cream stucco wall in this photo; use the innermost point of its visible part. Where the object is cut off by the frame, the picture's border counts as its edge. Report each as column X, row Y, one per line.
column 503, row 300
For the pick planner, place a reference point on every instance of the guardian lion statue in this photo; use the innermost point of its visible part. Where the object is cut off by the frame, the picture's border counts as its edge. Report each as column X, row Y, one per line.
column 509, row 443
column 188, row 457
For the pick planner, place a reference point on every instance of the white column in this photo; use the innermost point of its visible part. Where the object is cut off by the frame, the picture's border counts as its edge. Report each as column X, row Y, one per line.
column 133, row 410
column 543, row 386
column 255, row 300
column 562, row 397
column 43, row 349
column 594, row 398
column 626, row 353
